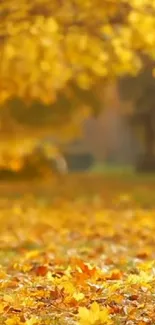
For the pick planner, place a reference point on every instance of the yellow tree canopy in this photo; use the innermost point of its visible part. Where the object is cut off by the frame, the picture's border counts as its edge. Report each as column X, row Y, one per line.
column 44, row 44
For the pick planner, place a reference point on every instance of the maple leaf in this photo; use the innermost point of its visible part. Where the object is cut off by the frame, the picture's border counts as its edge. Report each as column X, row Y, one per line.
column 15, row 320
column 94, row 315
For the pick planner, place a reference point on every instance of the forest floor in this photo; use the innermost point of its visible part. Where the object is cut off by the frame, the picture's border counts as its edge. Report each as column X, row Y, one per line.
column 78, row 250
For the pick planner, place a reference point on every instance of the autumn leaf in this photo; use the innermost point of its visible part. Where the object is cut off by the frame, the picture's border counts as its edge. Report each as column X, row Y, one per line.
column 41, row 270
column 94, row 315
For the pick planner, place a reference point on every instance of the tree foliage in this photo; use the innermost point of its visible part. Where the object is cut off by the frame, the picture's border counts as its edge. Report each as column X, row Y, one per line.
column 25, row 127
column 45, row 44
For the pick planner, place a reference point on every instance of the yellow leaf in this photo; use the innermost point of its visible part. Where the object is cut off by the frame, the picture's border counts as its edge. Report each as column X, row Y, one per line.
column 94, row 315
column 83, row 316
column 78, row 296
column 32, row 321
column 95, row 308
column 104, row 316
column 142, row 278
column 32, row 254
column 68, row 287
column 13, row 321
column 9, row 298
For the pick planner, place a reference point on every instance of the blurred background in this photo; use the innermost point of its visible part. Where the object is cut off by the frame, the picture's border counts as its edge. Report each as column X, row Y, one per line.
column 97, row 116
column 121, row 136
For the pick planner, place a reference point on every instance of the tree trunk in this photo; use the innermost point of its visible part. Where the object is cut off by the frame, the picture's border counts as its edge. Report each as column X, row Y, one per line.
column 149, row 137
column 147, row 162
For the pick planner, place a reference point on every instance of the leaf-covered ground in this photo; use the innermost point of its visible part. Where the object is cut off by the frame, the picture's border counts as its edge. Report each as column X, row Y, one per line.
column 74, row 260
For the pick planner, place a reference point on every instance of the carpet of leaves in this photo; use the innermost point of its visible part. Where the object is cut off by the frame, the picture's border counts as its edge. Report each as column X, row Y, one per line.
column 73, row 261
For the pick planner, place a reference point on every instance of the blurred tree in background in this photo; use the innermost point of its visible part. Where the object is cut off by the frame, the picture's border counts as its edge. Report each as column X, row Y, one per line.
column 25, row 127
column 56, row 56
column 45, row 44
